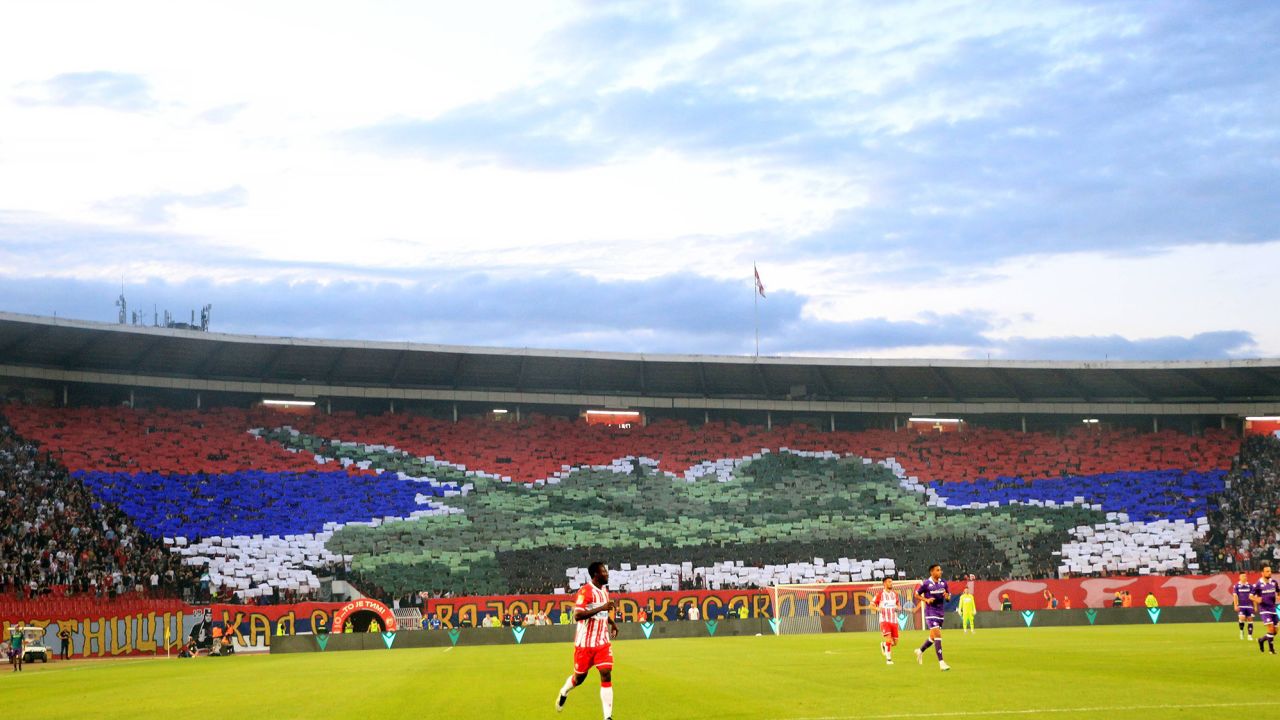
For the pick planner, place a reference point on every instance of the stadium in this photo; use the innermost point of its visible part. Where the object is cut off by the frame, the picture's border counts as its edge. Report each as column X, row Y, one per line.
column 614, row 359
column 317, row 496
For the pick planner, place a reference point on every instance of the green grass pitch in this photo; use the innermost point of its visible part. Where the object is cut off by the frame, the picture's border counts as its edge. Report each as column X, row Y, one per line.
column 1184, row 671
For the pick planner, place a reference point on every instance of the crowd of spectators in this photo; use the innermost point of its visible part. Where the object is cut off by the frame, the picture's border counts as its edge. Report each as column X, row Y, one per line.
column 57, row 539
column 1244, row 520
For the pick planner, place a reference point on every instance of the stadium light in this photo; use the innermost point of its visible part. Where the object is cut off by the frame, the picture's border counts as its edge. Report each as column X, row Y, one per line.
column 1264, row 418
column 935, row 420
column 500, row 411
column 290, row 403
column 1090, row 421
column 615, row 413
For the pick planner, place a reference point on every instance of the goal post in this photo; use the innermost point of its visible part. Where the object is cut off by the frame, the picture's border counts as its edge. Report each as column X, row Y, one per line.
column 799, row 608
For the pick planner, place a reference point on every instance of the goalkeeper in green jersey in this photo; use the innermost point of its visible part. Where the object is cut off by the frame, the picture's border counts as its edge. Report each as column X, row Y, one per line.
column 967, row 609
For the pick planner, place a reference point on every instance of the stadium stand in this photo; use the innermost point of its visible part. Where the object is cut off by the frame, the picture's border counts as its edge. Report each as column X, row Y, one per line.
column 990, row 454
column 59, row 540
column 544, row 446
column 266, row 503
column 1244, row 518
column 159, row 440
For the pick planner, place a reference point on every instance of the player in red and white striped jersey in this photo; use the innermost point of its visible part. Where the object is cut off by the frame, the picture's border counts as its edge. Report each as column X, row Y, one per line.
column 593, row 638
column 885, row 602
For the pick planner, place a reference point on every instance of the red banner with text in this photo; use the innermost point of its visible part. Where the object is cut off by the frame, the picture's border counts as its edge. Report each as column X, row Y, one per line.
column 840, row 599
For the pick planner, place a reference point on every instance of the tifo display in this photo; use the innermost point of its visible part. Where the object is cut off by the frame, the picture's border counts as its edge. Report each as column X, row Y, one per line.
column 262, row 504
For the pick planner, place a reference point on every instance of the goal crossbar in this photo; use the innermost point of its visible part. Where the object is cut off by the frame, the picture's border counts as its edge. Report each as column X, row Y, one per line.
column 807, row 601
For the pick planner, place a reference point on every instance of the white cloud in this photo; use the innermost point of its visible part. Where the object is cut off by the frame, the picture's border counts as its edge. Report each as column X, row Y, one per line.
column 881, row 161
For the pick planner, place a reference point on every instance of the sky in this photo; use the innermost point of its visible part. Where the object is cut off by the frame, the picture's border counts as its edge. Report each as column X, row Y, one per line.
column 1009, row 180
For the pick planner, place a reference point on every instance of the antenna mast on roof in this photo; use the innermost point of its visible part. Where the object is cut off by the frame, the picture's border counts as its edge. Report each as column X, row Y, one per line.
column 122, row 304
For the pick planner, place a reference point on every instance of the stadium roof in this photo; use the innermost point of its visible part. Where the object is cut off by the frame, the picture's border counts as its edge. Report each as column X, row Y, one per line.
column 78, row 351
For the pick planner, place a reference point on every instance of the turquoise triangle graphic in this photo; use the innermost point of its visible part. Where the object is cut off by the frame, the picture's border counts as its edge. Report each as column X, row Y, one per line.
column 389, row 638
column 902, row 619
column 1028, row 616
column 711, row 626
column 773, row 625
column 1217, row 612
column 453, row 635
column 838, row 622
column 519, row 633
column 1091, row 614
column 1155, row 615
column 647, row 627
column 322, row 640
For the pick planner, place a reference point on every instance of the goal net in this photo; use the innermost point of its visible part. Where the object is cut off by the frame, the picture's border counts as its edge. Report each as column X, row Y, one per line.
column 801, row 608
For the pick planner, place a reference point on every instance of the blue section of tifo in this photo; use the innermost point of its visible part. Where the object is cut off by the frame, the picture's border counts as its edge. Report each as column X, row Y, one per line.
column 255, row 503
column 1145, row 496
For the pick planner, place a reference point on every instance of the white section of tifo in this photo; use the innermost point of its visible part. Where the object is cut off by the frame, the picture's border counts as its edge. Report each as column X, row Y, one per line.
column 734, row 573
column 1161, row 547
column 255, row 565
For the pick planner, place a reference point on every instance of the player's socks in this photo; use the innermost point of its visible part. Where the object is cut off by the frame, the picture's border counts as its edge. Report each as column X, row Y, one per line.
column 564, row 692
column 606, row 699
column 926, row 645
column 1262, row 644
column 937, row 646
column 1250, row 631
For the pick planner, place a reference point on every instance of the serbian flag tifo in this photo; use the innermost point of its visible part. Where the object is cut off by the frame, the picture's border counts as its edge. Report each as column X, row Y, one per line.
column 759, row 285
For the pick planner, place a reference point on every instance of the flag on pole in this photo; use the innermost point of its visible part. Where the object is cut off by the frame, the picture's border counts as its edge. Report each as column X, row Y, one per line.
column 759, row 285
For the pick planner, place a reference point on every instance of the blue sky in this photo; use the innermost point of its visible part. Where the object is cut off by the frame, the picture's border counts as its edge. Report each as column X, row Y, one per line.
column 1079, row 180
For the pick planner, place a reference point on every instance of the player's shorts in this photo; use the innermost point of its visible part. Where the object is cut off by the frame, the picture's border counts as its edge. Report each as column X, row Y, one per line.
column 1268, row 617
column 1245, row 612
column 933, row 622
column 585, row 658
column 890, row 629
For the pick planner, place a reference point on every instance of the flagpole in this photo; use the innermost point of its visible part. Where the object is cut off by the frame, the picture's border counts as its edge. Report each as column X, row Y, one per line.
column 755, row 302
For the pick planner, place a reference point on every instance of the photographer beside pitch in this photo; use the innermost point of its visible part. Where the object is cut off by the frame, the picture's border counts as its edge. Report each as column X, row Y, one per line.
column 933, row 595
column 592, row 640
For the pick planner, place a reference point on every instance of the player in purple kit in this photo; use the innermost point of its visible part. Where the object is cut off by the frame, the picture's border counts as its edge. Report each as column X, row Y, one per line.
column 1243, row 600
column 1264, row 597
column 933, row 594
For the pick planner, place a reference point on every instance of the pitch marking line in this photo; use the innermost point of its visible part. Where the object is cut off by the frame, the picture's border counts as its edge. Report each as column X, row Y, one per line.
column 1037, row 711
